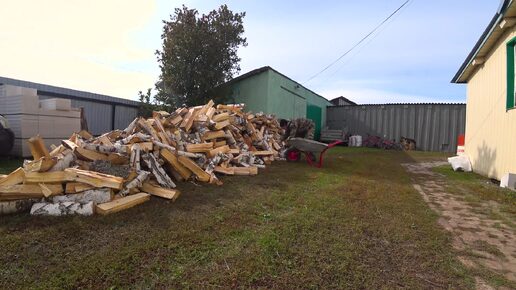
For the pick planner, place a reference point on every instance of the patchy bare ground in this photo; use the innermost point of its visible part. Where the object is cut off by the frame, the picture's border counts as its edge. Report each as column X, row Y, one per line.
column 485, row 240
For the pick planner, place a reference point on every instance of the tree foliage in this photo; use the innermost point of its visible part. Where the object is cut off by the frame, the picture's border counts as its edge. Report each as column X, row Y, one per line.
column 199, row 53
column 148, row 103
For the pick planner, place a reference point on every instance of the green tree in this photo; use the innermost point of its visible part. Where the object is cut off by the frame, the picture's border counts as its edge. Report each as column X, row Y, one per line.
column 148, row 103
column 199, row 53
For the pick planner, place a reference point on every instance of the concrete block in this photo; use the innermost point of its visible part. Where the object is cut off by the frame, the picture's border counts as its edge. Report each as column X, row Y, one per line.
column 56, row 104
column 10, row 90
column 19, row 104
column 508, row 181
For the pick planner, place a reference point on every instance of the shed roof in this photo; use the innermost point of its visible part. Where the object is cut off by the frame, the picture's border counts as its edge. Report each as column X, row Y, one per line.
column 503, row 19
column 335, row 101
column 64, row 92
column 264, row 69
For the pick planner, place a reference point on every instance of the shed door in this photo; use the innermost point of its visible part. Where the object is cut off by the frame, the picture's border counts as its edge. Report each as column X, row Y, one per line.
column 314, row 113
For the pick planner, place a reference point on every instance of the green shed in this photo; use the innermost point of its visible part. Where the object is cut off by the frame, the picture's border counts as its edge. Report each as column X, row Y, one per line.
column 269, row 91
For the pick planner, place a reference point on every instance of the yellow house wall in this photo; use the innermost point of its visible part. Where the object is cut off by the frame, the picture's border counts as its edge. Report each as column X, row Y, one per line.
column 490, row 139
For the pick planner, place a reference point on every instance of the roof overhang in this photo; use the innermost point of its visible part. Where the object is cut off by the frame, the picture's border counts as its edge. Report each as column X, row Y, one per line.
column 504, row 19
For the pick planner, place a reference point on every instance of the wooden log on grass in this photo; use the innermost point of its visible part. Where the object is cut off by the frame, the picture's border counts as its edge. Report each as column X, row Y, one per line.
column 155, row 190
column 122, row 203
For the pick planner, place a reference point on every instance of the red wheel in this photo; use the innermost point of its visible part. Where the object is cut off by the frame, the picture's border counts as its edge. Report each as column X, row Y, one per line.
column 293, row 155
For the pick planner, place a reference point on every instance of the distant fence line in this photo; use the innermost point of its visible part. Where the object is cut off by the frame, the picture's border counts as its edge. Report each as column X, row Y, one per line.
column 435, row 127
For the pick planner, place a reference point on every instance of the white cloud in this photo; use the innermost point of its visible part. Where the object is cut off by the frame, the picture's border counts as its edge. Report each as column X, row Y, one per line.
column 77, row 44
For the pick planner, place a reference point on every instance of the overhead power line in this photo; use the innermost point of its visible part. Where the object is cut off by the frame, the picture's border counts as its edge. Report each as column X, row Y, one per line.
column 358, row 43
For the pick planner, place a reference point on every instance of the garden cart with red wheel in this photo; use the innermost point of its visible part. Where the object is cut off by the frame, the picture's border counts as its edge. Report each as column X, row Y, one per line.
column 313, row 150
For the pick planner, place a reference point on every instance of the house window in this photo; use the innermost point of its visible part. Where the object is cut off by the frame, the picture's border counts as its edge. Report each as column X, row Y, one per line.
column 511, row 47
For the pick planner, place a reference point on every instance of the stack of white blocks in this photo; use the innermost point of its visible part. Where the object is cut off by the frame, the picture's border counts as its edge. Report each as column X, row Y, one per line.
column 53, row 119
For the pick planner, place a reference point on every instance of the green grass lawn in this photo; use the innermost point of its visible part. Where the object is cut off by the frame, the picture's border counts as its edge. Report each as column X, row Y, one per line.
column 356, row 223
column 8, row 165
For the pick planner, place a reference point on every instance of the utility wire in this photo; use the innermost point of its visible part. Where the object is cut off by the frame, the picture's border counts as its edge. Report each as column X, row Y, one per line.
column 330, row 77
column 358, row 43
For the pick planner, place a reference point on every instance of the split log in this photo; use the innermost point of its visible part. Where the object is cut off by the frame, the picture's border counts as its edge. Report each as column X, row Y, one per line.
column 37, row 148
column 201, row 147
column 135, row 138
column 60, row 209
column 28, row 191
column 252, row 170
column 117, row 148
column 158, row 171
column 15, row 177
column 46, row 177
column 192, row 166
column 224, row 170
column 169, row 157
column 76, row 187
column 64, row 161
column 178, row 152
column 134, row 162
column 166, row 193
column 89, row 155
column 93, row 178
column 122, row 203
column 136, row 182
column 41, row 165
column 213, row 135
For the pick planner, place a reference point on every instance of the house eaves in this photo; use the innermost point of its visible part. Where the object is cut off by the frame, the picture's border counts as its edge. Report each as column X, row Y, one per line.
column 504, row 18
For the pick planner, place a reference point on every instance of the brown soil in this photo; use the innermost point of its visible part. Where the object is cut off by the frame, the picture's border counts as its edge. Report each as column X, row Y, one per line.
column 489, row 243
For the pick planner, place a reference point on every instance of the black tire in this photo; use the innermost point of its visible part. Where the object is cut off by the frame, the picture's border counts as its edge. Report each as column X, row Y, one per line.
column 6, row 141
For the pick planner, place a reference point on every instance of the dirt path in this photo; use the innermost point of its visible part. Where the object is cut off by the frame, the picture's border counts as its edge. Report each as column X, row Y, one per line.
column 484, row 242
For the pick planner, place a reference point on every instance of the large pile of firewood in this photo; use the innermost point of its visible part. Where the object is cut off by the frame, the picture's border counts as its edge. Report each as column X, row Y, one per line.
column 122, row 168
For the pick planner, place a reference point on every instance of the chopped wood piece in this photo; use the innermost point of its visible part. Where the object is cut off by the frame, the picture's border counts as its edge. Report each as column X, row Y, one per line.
column 76, row 187
column 224, row 170
column 85, row 134
column 15, row 177
column 174, row 162
column 188, row 163
column 122, row 203
column 136, row 182
column 27, row 191
column 45, row 190
column 41, row 165
column 220, row 117
column 93, row 178
column 221, row 125
column 46, row 177
column 89, row 155
column 223, row 149
column 213, row 135
column 37, row 148
column 262, row 153
column 166, row 193
column 69, row 144
column 252, row 170
column 202, row 147
column 56, row 151
column 157, row 171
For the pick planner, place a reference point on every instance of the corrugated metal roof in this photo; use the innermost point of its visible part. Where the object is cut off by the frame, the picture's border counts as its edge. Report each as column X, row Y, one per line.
column 397, row 104
column 53, row 90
